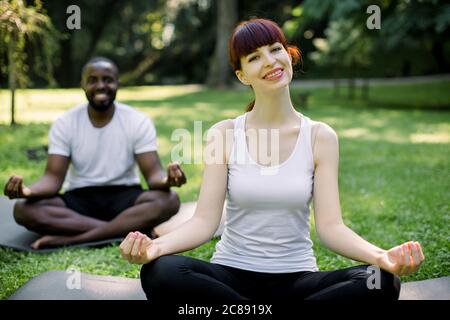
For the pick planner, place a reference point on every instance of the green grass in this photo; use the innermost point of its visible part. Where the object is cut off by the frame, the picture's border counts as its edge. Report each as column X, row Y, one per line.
column 394, row 166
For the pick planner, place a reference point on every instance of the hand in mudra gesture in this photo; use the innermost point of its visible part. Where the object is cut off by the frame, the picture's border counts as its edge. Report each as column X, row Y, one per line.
column 175, row 175
column 15, row 189
column 403, row 259
column 139, row 248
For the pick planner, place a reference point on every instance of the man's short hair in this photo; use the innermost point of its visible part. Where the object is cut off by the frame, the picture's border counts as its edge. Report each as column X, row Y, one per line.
column 100, row 59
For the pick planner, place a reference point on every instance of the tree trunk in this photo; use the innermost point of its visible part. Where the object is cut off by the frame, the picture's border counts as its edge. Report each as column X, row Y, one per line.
column 365, row 89
column 219, row 70
column 439, row 55
column 140, row 69
column 102, row 20
column 336, row 82
column 12, row 75
column 352, row 80
column 65, row 72
column 351, row 86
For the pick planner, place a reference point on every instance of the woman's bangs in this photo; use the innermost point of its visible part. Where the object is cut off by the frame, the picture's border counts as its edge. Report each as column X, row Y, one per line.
column 251, row 36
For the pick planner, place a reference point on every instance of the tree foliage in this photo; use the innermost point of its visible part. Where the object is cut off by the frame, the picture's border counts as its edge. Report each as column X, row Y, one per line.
column 175, row 41
column 22, row 25
column 407, row 26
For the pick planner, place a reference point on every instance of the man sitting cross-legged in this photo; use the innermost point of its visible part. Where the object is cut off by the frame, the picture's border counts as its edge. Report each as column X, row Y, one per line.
column 99, row 144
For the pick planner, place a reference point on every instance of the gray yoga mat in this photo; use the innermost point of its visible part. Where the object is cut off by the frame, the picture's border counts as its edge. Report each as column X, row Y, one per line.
column 19, row 238
column 62, row 285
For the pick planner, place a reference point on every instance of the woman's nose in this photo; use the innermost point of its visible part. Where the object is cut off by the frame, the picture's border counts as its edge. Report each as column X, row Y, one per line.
column 268, row 59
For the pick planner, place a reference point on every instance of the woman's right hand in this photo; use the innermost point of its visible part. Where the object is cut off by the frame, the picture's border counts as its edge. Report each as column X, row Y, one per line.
column 138, row 248
column 15, row 188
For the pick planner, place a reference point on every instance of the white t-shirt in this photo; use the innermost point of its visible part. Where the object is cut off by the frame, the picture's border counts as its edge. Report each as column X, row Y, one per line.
column 102, row 156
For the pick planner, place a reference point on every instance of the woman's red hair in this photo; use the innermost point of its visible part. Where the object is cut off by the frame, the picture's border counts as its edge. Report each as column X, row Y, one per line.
column 254, row 33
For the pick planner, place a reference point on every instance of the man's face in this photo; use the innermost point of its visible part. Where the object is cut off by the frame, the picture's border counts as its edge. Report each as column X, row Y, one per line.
column 100, row 84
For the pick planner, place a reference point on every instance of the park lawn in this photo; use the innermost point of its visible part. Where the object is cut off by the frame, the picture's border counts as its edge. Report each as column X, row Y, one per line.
column 394, row 166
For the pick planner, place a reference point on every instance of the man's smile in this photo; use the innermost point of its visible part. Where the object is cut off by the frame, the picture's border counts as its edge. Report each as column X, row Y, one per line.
column 101, row 96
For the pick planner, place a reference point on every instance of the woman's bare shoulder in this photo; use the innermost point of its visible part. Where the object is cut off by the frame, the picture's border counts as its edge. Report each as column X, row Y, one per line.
column 321, row 131
column 223, row 125
column 220, row 137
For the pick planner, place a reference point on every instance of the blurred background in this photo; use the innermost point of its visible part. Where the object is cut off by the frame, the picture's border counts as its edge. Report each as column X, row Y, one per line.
column 184, row 41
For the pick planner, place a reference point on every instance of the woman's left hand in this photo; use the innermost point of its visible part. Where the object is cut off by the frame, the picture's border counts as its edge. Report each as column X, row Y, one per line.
column 402, row 260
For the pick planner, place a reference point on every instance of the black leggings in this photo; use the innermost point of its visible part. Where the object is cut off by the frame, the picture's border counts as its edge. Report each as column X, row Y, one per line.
column 179, row 278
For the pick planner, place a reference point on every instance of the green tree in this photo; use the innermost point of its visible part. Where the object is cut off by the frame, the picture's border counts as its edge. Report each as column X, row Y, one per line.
column 411, row 26
column 411, row 30
column 219, row 69
column 345, row 46
column 20, row 24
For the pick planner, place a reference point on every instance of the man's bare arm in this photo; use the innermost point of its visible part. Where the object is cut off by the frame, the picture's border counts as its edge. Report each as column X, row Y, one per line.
column 47, row 186
column 156, row 177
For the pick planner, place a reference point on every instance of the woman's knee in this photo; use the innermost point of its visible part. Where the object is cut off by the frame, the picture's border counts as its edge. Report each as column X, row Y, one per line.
column 158, row 275
column 375, row 283
column 389, row 285
column 382, row 284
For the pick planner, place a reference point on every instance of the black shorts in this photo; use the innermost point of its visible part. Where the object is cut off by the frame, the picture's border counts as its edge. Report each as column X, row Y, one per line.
column 104, row 202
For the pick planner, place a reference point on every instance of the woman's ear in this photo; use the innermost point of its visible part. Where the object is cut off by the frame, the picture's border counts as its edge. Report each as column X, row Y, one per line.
column 241, row 77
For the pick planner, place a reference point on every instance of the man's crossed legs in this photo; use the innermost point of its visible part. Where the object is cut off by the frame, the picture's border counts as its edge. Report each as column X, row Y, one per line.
column 95, row 213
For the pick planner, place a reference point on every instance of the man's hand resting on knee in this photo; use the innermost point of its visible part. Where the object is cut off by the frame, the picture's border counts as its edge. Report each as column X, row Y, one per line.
column 15, row 188
column 175, row 176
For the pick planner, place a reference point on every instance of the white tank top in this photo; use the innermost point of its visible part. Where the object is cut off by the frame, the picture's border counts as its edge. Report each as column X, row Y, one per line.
column 268, row 217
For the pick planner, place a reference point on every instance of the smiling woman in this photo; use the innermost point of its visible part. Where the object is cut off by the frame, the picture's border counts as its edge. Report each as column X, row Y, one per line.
column 258, row 41
column 266, row 251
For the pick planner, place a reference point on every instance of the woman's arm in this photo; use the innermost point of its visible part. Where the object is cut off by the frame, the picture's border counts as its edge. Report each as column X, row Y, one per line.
column 330, row 227
column 201, row 227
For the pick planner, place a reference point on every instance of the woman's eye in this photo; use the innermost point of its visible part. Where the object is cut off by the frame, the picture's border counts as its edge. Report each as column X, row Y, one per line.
column 276, row 49
column 252, row 58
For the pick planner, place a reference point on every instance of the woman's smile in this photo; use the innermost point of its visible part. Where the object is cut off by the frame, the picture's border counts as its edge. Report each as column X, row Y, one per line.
column 274, row 74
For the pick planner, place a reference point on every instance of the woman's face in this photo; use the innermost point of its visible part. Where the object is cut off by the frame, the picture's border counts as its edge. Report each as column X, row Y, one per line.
column 268, row 67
